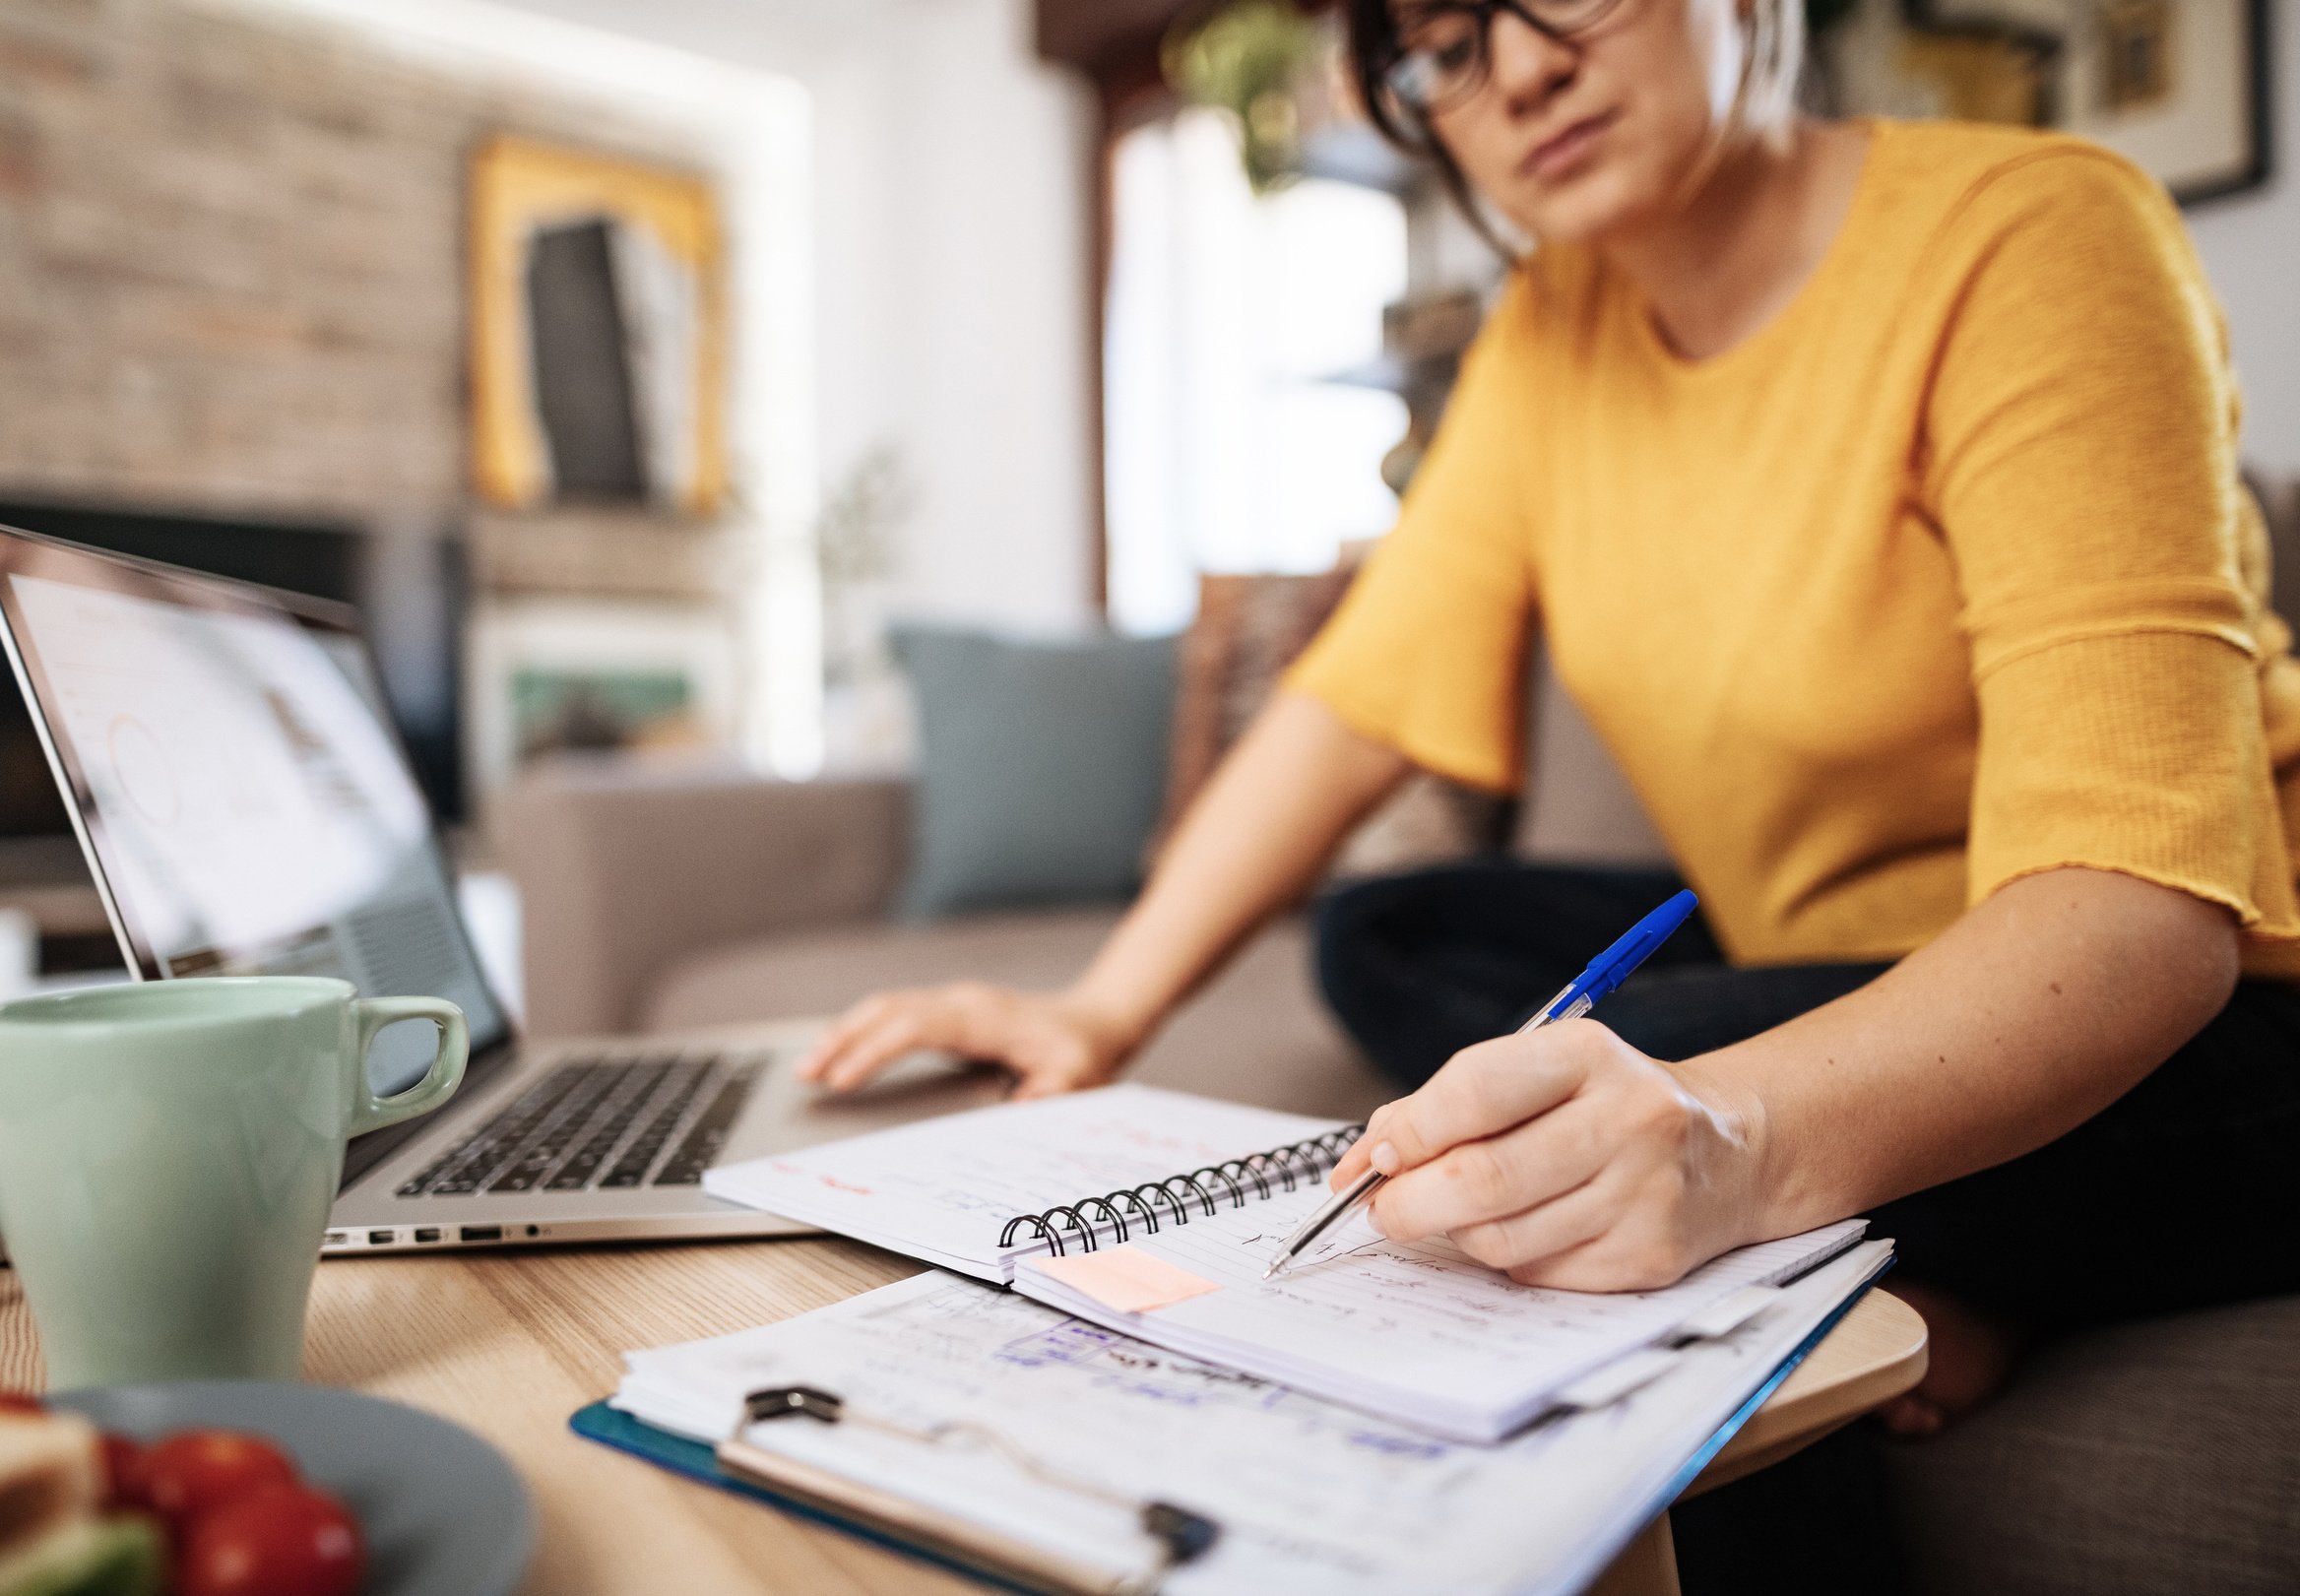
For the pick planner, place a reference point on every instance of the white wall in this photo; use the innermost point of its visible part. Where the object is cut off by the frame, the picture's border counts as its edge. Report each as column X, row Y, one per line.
column 952, row 228
column 2250, row 245
column 991, row 224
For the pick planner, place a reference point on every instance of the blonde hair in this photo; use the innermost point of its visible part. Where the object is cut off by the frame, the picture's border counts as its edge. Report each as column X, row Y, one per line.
column 1775, row 36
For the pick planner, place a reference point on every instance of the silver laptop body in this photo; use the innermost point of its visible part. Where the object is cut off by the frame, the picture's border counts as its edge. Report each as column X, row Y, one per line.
column 245, row 807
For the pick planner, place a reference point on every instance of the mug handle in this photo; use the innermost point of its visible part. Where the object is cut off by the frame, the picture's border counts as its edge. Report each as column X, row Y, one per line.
column 372, row 1113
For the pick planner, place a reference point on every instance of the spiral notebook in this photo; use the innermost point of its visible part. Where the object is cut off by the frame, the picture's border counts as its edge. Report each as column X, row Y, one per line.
column 1154, row 1212
column 979, row 1191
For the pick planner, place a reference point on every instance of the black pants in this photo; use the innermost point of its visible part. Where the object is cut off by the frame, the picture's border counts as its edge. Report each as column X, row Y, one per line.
column 2176, row 1197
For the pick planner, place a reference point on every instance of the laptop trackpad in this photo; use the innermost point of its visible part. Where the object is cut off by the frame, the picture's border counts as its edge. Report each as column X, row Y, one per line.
column 788, row 1113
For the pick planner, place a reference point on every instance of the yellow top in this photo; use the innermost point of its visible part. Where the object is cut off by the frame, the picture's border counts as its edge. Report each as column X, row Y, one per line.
column 1943, row 577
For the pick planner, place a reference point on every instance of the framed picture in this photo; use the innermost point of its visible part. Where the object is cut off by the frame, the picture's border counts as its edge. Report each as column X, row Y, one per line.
column 2181, row 87
column 598, row 329
column 545, row 677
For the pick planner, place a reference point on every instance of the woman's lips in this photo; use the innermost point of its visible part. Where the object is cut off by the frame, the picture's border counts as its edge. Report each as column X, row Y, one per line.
column 1556, row 157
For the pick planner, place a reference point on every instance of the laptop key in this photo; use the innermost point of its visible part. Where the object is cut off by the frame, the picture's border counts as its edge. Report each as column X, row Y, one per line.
column 622, row 1112
column 472, row 1150
column 487, row 1156
column 511, row 1124
column 519, row 1165
column 707, row 1133
column 543, row 1146
column 631, row 1165
column 590, row 1106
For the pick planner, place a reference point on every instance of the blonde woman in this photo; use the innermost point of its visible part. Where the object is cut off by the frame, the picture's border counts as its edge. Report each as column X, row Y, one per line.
column 1874, row 488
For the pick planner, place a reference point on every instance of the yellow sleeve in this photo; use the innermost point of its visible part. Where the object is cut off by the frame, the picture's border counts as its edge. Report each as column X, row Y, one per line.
column 2080, row 462
column 1427, row 652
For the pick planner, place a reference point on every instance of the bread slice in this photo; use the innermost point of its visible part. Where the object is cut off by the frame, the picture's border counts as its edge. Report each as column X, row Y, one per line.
column 52, row 1474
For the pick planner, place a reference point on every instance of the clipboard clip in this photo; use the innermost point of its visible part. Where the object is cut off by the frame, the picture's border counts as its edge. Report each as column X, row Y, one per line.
column 1181, row 1535
column 785, row 1400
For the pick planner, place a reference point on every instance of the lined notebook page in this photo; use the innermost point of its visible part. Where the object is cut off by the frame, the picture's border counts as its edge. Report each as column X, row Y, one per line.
column 943, row 1189
column 1416, row 1332
column 1310, row 1496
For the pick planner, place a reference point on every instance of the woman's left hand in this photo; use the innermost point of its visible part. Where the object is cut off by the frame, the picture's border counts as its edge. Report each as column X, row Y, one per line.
column 1565, row 1157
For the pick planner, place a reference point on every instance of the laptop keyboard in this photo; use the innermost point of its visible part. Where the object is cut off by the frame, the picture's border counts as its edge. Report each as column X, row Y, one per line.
column 599, row 1123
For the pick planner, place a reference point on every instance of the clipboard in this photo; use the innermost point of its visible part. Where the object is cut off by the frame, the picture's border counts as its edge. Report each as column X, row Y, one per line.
column 880, row 1517
column 900, row 1525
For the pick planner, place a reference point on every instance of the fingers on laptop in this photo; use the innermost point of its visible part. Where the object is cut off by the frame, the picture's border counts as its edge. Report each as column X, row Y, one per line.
column 967, row 1018
column 1050, row 1049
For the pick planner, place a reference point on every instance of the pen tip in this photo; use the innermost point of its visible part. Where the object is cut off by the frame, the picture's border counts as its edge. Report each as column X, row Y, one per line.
column 1275, row 1265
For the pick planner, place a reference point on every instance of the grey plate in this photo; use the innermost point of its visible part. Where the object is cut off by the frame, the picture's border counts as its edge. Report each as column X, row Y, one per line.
column 442, row 1511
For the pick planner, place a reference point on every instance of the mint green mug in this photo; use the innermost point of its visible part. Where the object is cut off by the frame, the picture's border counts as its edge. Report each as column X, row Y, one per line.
column 169, row 1153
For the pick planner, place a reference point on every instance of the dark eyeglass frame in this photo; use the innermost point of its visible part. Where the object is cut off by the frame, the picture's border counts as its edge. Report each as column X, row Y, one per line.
column 1481, row 14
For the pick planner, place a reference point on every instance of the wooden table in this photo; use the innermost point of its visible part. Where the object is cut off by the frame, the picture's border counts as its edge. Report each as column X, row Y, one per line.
column 509, row 1344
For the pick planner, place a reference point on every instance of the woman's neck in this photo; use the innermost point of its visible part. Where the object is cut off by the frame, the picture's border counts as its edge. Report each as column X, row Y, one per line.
column 1733, row 257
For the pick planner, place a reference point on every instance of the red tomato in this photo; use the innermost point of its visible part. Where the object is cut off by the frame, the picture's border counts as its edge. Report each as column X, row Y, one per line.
column 21, row 1402
column 192, row 1472
column 124, row 1466
column 279, row 1540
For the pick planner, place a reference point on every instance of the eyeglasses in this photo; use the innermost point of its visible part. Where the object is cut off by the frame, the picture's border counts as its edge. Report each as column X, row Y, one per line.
column 1446, row 49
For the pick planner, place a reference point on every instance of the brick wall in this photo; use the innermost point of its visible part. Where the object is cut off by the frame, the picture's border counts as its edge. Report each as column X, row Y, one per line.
column 232, row 260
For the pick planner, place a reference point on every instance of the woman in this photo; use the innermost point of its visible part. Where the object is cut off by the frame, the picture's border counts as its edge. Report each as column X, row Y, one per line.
column 1874, row 487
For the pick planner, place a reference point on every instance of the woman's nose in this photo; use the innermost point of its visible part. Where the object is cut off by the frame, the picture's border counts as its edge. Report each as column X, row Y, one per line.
column 1528, row 66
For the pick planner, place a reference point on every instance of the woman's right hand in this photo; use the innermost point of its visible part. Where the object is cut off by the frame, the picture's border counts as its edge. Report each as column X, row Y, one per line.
column 1054, row 1043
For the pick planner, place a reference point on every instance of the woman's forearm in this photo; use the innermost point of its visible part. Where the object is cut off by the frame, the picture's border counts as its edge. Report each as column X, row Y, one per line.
column 1570, row 1159
column 1252, row 842
column 2039, row 1007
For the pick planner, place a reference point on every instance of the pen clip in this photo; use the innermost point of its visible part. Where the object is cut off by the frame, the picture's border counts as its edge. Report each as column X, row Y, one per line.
column 1620, row 961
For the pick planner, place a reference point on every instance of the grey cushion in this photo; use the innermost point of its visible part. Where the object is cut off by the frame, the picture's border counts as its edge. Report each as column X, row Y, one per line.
column 1255, row 1034
column 2143, row 1460
column 1041, row 767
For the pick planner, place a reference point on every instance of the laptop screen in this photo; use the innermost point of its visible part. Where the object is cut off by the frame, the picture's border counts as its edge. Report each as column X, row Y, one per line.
column 245, row 804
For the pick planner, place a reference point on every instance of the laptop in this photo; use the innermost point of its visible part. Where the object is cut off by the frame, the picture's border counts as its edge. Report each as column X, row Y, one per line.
column 246, row 809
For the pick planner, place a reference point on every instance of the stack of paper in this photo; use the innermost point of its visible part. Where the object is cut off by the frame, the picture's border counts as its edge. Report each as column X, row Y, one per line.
column 1308, row 1496
column 1416, row 1332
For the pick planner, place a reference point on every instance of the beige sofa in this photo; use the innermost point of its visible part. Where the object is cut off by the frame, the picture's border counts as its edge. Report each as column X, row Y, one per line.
column 2160, row 1457
column 666, row 903
column 670, row 900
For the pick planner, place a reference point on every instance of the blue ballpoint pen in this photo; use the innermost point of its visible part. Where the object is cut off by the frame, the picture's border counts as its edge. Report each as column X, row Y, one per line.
column 1606, row 972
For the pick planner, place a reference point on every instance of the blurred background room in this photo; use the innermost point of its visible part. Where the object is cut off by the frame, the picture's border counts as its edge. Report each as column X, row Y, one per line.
column 988, row 394
column 826, row 479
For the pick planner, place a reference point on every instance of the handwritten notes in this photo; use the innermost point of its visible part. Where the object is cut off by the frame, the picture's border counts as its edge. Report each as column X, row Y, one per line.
column 1415, row 1331
column 1310, row 1496
column 943, row 1189
column 1126, row 1279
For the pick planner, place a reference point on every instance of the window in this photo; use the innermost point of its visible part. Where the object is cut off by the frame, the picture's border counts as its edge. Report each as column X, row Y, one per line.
column 1228, row 448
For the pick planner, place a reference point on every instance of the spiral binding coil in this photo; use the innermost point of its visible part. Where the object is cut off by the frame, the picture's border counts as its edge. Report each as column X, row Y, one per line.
column 1288, row 1165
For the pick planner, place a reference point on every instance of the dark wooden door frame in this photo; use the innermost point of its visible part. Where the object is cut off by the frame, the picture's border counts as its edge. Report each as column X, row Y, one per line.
column 1113, row 44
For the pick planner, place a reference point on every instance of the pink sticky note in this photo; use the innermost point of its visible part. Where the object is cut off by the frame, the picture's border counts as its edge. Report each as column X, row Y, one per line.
column 1128, row 1278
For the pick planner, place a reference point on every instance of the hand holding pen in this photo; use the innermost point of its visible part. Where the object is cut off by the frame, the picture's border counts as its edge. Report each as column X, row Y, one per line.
column 1556, row 1160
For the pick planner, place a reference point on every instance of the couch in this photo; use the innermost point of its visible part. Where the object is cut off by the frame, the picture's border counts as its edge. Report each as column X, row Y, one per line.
column 679, row 901
column 2154, row 1457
